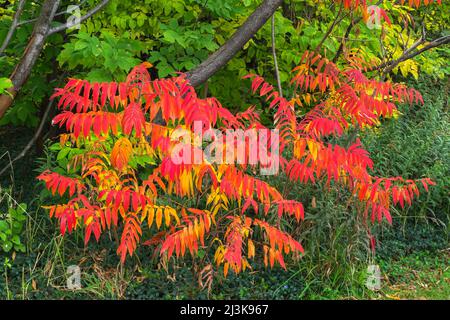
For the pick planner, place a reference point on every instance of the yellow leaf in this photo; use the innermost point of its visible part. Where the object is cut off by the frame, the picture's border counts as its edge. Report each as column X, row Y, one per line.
column 167, row 216
column 173, row 212
column 89, row 220
column 144, row 214
column 313, row 148
column 158, row 217
column 251, row 249
column 150, row 215
column 34, row 284
column 225, row 269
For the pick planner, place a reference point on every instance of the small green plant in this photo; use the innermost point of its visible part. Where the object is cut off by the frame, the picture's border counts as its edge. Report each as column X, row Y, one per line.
column 11, row 226
column 5, row 84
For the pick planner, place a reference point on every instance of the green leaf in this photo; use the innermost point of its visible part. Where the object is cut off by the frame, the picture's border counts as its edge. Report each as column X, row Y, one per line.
column 171, row 36
column 3, row 226
column 201, row 253
column 63, row 154
column 99, row 75
column 5, row 84
column 7, row 246
column 15, row 239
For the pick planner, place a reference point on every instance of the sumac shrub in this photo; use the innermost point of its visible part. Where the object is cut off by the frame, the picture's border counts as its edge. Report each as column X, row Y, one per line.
column 136, row 167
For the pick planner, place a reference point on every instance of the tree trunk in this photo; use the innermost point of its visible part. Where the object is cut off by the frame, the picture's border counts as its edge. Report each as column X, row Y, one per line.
column 31, row 54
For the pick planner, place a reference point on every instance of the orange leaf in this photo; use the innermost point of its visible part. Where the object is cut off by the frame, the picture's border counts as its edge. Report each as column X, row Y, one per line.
column 120, row 154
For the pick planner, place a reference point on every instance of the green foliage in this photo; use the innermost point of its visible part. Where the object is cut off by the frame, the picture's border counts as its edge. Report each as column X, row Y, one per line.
column 41, row 82
column 29, row 101
column 11, row 227
column 418, row 146
column 5, row 84
column 422, row 275
column 107, row 57
column 411, row 237
column 178, row 35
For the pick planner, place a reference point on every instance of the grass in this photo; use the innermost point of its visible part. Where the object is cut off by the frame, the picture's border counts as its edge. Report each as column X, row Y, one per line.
column 422, row 275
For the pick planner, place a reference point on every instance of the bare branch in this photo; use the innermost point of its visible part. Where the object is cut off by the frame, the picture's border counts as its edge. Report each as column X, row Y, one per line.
column 347, row 33
column 345, row 38
column 410, row 53
column 275, row 61
column 32, row 141
column 21, row 23
column 89, row 14
column 13, row 27
column 336, row 20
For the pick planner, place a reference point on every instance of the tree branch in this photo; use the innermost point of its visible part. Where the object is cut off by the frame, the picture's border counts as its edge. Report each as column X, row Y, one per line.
column 89, row 14
column 13, row 27
column 409, row 54
column 40, row 33
column 31, row 54
column 275, row 61
column 32, row 141
column 336, row 20
column 345, row 38
column 353, row 22
column 21, row 23
column 225, row 53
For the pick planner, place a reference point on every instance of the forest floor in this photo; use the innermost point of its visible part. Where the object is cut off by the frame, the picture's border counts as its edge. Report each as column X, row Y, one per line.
column 421, row 275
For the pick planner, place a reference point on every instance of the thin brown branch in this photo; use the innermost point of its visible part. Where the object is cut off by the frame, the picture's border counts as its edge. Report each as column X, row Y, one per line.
column 69, row 25
column 345, row 38
column 275, row 61
column 21, row 23
column 32, row 141
column 409, row 54
column 347, row 34
column 13, row 27
column 336, row 20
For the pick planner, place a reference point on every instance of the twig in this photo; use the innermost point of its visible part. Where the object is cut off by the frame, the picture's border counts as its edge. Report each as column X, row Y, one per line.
column 275, row 61
column 408, row 54
column 74, row 23
column 383, row 54
column 347, row 33
column 21, row 23
column 32, row 141
column 13, row 27
column 336, row 20
column 345, row 38
column 12, row 173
